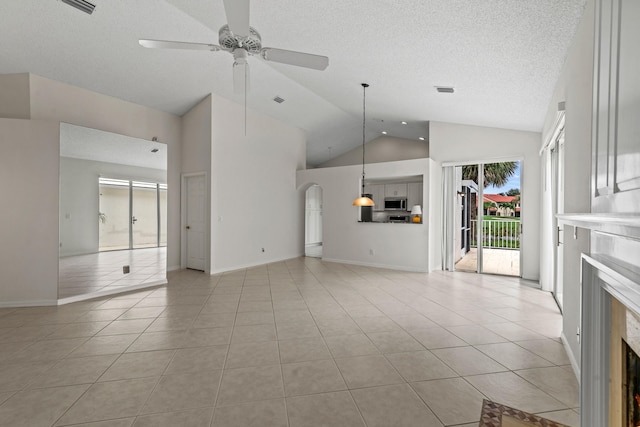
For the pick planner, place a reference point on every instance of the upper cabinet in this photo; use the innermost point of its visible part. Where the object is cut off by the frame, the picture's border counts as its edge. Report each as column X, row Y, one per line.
column 395, row 190
column 616, row 113
column 414, row 194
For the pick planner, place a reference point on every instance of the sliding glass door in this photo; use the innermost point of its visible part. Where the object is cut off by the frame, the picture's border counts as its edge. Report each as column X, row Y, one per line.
column 131, row 214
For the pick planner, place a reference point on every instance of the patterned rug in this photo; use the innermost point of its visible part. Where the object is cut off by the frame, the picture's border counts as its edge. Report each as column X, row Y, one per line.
column 497, row 415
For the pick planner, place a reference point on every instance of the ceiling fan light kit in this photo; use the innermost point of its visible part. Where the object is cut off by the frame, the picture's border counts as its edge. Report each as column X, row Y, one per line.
column 242, row 41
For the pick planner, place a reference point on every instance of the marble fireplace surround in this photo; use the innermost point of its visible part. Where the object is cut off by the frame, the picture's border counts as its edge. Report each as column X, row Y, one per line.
column 610, row 277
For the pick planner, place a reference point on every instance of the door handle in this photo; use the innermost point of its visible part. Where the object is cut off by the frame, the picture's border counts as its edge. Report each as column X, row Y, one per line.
column 133, row 220
column 188, row 227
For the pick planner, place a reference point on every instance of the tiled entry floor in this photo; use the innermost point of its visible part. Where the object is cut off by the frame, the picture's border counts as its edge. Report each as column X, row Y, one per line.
column 296, row 343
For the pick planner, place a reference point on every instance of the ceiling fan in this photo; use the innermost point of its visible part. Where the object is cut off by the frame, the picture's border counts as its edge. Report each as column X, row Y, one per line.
column 242, row 41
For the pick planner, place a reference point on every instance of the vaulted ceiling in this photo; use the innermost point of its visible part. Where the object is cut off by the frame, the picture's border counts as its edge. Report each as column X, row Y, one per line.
column 502, row 56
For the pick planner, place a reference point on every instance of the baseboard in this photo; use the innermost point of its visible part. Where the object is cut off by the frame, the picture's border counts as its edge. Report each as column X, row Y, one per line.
column 572, row 358
column 113, row 291
column 376, row 265
column 173, row 268
column 29, row 303
column 250, row 265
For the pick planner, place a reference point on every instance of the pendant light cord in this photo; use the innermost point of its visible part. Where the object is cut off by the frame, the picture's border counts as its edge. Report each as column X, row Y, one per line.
column 364, row 97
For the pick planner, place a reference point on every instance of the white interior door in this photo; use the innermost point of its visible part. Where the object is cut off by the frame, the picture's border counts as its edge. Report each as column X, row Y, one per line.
column 195, row 223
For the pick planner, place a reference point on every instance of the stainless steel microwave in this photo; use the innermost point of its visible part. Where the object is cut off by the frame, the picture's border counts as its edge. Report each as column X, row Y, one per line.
column 395, row 204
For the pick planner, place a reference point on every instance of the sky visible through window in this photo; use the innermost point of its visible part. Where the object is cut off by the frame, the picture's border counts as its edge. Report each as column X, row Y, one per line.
column 513, row 182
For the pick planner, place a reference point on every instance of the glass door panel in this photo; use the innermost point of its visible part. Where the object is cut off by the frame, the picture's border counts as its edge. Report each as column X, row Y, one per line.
column 144, row 217
column 500, row 244
column 113, row 215
column 466, row 255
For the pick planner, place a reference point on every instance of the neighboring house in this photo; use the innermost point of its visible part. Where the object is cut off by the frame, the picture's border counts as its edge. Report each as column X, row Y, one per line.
column 502, row 205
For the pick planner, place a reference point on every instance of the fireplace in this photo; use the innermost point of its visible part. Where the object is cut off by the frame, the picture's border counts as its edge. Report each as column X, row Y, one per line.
column 631, row 386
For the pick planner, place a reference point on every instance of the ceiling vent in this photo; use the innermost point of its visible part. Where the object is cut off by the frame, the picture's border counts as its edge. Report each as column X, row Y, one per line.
column 445, row 89
column 278, row 100
column 82, row 5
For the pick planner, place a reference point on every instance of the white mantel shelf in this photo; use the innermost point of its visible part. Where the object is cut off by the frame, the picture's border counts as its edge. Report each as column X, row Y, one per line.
column 627, row 225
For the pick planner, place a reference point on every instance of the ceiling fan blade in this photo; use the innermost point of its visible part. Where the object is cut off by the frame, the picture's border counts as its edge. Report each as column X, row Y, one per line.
column 163, row 44
column 300, row 59
column 241, row 77
column 237, row 16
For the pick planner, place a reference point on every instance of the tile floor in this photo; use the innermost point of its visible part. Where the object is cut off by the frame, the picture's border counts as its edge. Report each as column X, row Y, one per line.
column 295, row 343
column 84, row 274
column 495, row 261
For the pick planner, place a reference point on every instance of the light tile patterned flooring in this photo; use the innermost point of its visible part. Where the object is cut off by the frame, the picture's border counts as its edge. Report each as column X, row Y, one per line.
column 84, row 274
column 494, row 261
column 295, row 343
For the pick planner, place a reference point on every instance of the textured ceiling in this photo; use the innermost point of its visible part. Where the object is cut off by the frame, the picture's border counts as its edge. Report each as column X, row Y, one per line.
column 502, row 56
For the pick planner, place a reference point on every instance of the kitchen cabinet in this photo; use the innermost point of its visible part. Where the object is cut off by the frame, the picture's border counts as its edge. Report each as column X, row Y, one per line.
column 414, row 194
column 395, row 190
column 377, row 194
column 616, row 151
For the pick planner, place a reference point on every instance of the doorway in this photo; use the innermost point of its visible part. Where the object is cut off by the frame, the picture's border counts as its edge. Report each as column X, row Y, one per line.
column 313, row 222
column 131, row 214
column 485, row 204
column 194, row 190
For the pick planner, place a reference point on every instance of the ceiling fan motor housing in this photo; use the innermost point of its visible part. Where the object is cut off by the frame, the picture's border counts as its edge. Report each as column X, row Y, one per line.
column 230, row 42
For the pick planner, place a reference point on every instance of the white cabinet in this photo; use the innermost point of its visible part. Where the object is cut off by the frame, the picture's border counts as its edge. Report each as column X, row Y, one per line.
column 395, row 190
column 414, row 194
column 616, row 157
column 377, row 193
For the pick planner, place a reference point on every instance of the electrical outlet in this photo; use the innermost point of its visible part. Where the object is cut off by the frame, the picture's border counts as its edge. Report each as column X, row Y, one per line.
column 372, row 252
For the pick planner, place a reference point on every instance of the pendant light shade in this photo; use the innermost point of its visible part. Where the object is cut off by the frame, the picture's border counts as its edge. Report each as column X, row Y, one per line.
column 363, row 200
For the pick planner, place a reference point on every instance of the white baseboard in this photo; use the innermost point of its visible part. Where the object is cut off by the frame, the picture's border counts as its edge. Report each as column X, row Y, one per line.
column 173, row 267
column 113, row 291
column 28, row 303
column 376, row 265
column 572, row 357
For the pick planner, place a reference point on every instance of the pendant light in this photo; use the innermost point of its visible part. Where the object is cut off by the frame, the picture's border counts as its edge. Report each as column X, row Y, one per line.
column 363, row 200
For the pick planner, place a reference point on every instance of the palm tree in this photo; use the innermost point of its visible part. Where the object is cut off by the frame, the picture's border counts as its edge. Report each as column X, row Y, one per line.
column 496, row 174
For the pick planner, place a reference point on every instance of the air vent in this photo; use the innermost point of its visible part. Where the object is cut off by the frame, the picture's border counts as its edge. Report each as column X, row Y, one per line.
column 445, row 89
column 155, row 150
column 82, row 5
column 278, row 100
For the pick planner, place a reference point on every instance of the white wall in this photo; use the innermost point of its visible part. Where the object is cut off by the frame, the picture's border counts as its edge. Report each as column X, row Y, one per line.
column 255, row 203
column 574, row 86
column 396, row 246
column 382, row 149
column 14, row 96
column 52, row 100
column 79, row 199
column 29, row 151
column 30, row 276
column 449, row 142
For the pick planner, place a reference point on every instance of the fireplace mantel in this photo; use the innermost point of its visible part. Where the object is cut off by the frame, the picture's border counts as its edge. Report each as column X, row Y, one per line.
column 624, row 225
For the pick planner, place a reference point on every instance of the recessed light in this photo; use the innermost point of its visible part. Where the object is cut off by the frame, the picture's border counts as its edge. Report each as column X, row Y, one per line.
column 421, row 138
column 404, row 123
column 445, row 89
column 384, row 132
